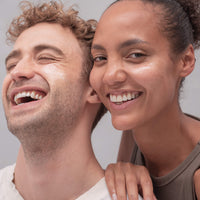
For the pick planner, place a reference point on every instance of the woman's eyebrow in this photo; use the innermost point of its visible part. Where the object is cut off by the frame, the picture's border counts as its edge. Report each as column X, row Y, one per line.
column 131, row 42
column 97, row 47
column 121, row 45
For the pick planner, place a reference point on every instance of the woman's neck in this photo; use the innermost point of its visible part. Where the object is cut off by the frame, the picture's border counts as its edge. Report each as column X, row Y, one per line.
column 166, row 141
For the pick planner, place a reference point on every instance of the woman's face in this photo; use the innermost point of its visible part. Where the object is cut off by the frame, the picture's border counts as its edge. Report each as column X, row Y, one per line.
column 134, row 74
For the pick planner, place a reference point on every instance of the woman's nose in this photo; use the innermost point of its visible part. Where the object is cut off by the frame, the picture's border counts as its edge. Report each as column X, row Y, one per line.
column 115, row 74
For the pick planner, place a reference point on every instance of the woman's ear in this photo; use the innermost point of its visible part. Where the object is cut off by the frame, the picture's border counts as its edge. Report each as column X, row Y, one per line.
column 93, row 97
column 188, row 61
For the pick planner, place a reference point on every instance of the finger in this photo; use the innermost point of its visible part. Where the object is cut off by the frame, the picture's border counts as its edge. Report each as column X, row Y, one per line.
column 145, row 183
column 120, row 186
column 110, row 181
column 120, row 182
column 132, row 187
column 132, row 181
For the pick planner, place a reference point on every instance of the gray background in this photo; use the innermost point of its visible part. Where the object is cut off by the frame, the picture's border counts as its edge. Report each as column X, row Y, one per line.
column 105, row 139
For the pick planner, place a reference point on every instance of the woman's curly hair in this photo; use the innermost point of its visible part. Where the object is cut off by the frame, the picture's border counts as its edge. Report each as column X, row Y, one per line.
column 179, row 21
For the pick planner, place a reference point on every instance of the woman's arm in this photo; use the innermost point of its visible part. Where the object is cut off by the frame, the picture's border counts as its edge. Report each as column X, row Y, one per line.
column 197, row 183
column 125, row 178
column 126, row 147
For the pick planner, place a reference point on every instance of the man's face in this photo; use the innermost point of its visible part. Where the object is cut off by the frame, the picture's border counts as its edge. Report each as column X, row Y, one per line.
column 43, row 88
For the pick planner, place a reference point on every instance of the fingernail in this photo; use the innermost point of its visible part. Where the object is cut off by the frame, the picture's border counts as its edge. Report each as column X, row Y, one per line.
column 114, row 196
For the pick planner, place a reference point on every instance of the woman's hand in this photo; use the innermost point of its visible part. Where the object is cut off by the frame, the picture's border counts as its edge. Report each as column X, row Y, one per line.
column 128, row 179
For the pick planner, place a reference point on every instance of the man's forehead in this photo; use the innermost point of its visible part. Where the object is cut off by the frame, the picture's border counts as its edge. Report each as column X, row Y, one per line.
column 46, row 33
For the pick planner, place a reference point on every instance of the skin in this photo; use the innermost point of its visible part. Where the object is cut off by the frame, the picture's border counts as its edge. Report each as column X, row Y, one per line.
column 197, row 183
column 140, row 60
column 54, row 131
column 46, row 70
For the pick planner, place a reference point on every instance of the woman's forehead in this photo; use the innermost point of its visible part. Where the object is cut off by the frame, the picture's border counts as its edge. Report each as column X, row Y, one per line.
column 128, row 17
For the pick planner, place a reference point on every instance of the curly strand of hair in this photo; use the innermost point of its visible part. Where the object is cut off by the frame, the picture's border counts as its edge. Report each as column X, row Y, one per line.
column 192, row 8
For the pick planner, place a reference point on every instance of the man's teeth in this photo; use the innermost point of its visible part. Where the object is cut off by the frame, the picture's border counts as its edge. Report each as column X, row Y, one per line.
column 29, row 94
column 123, row 98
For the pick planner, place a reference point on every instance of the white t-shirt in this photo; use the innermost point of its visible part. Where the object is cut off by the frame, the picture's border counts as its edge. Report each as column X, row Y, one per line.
column 7, row 187
column 9, row 192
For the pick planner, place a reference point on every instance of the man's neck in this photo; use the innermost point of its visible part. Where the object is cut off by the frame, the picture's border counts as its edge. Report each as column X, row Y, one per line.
column 66, row 174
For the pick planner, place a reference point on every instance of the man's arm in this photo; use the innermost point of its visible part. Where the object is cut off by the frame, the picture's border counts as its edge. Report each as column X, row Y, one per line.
column 197, row 183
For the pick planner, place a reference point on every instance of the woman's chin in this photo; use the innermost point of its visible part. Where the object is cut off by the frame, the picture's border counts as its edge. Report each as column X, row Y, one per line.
column 121, row 125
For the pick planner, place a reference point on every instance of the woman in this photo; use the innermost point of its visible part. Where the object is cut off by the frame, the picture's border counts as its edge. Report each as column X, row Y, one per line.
column 142, row 51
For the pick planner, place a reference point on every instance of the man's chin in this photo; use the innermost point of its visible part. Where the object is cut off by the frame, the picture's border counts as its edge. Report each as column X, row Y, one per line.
column 24, row 127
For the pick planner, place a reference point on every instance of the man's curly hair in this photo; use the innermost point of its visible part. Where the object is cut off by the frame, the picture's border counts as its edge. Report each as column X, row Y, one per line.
column 54, row 12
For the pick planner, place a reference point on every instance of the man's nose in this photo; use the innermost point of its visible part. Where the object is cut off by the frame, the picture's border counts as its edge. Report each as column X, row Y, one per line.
column 22, row 70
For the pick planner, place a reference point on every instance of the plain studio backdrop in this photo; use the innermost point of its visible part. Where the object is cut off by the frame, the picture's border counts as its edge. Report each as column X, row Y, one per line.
column 105, row 138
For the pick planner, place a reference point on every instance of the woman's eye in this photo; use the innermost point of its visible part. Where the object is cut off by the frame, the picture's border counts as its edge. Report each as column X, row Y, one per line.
column 99, row 58
column 136, row 55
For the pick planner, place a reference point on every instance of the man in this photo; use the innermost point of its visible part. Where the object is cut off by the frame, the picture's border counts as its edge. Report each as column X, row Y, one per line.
column 50, row 107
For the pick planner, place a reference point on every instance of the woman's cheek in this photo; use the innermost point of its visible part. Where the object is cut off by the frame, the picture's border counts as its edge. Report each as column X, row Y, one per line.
column 94, row 80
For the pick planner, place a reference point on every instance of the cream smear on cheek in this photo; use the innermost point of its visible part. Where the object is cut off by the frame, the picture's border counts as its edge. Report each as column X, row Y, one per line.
column 53, row 70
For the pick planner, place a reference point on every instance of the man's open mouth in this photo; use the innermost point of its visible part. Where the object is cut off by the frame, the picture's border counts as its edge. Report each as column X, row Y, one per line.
column 28, row 96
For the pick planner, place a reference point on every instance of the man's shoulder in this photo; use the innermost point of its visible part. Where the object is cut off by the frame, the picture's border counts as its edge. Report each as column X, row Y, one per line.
column 7, row 188
column 98, row 192
column 6, row 173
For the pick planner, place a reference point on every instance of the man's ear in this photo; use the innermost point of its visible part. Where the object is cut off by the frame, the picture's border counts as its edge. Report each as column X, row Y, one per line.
column 188, row 61
column 92, row 96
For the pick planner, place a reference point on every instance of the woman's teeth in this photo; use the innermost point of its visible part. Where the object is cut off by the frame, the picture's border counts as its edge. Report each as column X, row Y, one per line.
column 123, row 97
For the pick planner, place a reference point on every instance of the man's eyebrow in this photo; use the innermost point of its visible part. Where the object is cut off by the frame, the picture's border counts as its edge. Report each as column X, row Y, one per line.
column 13, row 54
column 48, row 47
